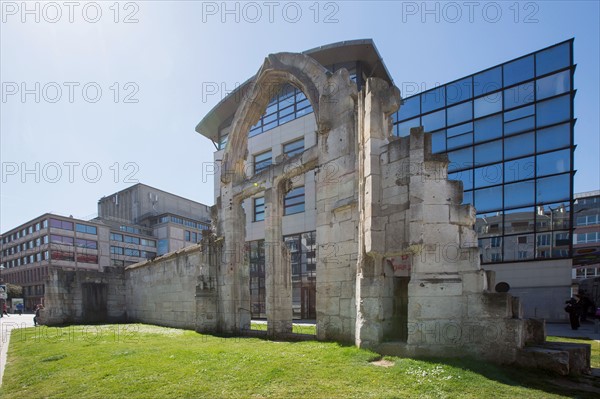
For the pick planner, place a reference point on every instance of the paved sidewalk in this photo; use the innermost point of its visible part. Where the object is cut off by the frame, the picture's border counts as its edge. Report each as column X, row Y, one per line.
column 587, row 330
column 7, row 324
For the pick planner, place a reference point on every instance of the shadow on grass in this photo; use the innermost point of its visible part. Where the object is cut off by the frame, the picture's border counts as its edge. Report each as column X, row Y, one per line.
column 571, row 386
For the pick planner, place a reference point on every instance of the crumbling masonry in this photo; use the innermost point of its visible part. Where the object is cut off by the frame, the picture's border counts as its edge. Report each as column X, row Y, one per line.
column 398, row 266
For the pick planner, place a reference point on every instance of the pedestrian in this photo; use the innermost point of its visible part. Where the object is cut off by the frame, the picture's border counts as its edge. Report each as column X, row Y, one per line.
column 5, row 310
column 20, row 308
column 36, row 318
column 573, row 309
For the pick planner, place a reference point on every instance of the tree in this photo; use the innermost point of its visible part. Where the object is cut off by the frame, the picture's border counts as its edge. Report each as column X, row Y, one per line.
column 14, row 291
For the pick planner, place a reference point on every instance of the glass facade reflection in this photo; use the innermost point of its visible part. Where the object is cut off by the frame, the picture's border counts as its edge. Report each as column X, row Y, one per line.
column 508, row 133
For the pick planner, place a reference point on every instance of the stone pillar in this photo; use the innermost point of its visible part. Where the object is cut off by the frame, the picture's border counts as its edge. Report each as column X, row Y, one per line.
column 278, row 274
column 233, row 276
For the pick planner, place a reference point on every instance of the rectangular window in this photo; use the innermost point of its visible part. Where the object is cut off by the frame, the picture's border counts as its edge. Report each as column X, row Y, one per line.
column 259, row 209
column 186, row 235
column 61, row 224
column 148, row 243
column 132, row 252
column 293, row 148
column 293, row 202
column 56, row 239
column 116, row 237
column 81, row 243
column 84, row 228
column 262, row 161
column 131, row 240
column 116, row 250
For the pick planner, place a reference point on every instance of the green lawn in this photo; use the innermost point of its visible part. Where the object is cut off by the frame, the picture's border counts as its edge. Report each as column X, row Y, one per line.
column 141, row 361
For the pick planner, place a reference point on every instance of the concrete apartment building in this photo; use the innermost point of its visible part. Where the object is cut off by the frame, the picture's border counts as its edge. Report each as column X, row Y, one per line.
column 508, row 132
column 133, row 225
column 586, row 235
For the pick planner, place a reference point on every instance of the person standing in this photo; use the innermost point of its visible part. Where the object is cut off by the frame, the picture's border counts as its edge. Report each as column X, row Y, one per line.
column 573, row 309
column 20, row 308
column 37, row 315
column 5, row 310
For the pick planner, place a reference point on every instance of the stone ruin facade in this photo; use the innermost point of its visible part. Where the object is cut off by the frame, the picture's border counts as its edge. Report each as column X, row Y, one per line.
column 398, row 266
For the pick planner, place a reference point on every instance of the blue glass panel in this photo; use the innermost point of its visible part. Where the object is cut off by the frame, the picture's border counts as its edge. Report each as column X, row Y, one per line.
column 518, row 95
column 488, row 104
column 488, row 152
column 553, row 59
column 403, row 128
column 490, row 175
column 553, row 189
column 434, row 121
column 460, row 129
column 488, row 128
column 409, row 108
column 459, row 91
column 518, row 126
column 488, row 199
column 518, row 71
column 438, row 142
column 468, row 197
column 553, row 85
column 487, row 81
column 460, row 159
column 433, row 99
column 554, row 111
column 519, row 169
column 554, row 162
column 554, row 137
column 460, row 141
column 519, row 113
column 464, row 176
column 519, row 146
column 460, row 113
column 519, row 194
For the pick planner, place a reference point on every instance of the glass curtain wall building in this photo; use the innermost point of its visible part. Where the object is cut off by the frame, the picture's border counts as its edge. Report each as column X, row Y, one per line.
column 508, row 133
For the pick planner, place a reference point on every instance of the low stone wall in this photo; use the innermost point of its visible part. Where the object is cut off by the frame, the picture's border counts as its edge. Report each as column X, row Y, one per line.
column 162, row 291
column 84, row 296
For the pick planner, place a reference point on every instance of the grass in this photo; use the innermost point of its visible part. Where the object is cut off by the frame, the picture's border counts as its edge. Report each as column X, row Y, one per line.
column 141, row 361
column 308, row 329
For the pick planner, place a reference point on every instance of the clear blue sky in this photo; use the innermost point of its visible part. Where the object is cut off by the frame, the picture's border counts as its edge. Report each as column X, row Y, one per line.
column 77, row 150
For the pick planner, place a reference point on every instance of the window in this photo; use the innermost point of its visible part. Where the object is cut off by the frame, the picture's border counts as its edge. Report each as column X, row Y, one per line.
column 186, row 235
column 459, row 91
column 293, row 202
column 585, row 238
column 116, row 237
column 433, row 99
column 496, row 242
column 259, row 209
column 553, row 59
column 262, row 161
column 410, row 107
column 488, row 81
column 84, row 228
column 61, row 224
column 518, row 71
column 293, row 148
column 543, row 240
column 588, row 220
column 87, row 258
column 56, row 239
column 554, row 111
column 131, row 240
column 132, row 252
column 148, row 243
column 81, row 243
column 116, row 250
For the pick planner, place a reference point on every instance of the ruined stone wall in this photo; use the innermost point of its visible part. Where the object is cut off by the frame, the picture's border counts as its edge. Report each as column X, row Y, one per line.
column 163, row 291
column 84, row 296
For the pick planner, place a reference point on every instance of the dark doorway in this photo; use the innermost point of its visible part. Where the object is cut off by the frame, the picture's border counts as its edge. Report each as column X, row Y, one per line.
column 309, row 298
column 95, row 298
column 400, row 317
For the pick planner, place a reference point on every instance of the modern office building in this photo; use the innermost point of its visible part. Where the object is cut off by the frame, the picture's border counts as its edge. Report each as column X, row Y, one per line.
column 508, row 132
column 133, row 225
column 586, row 235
